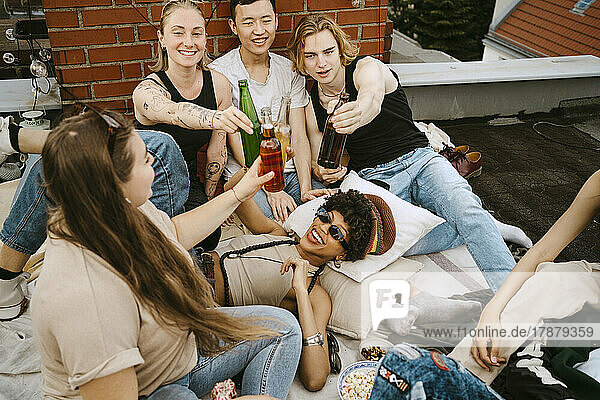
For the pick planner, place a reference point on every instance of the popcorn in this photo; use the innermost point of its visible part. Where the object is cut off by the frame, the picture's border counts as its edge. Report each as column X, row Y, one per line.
column 358, row 385
column 223, row 390
column 372, row 353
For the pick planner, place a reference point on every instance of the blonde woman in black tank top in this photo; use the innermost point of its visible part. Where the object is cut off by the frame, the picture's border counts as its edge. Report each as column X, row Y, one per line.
column 185, row 100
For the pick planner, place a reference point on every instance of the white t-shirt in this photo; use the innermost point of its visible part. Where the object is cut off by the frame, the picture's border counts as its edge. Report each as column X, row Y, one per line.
column 281, row 80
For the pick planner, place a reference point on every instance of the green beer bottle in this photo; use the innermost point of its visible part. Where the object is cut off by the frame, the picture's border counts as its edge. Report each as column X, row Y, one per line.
column 250, row 140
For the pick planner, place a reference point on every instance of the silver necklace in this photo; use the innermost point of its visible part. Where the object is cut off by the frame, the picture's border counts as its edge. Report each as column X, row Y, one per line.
column 332, row 95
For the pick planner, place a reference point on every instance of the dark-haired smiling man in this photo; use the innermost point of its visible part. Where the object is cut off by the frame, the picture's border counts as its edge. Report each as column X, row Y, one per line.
column 270, row 77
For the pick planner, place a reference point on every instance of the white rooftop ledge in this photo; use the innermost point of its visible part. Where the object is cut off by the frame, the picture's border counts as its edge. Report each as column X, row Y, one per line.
column 438, row 91
column 429, row 74
column 18, row 95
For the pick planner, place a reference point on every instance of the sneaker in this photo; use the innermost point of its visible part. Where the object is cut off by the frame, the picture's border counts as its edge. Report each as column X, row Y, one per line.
column 13, row 302
column 450, row 153
column 10, row 171
column 468, row 165
column 5, row 147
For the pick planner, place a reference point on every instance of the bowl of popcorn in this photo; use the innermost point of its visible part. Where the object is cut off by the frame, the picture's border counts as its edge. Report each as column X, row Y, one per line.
column 374, row 349
column 356, row 380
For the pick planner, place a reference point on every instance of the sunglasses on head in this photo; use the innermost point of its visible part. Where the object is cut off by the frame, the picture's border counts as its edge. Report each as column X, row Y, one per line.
column 334, row 230
column 113, row 124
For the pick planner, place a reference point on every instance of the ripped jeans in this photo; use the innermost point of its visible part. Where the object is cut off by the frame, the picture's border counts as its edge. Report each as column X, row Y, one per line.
column 409, row 372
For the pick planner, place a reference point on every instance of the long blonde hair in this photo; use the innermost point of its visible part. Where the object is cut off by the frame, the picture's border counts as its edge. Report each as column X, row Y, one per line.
column 313, row 24
column 84, row 167
column 162, row 59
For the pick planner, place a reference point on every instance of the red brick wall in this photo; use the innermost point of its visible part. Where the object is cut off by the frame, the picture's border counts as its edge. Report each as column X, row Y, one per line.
column 102, row 48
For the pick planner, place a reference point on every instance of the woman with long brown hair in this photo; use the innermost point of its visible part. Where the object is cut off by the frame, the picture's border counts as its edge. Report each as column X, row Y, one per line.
column 130, row 315
column 174, row 127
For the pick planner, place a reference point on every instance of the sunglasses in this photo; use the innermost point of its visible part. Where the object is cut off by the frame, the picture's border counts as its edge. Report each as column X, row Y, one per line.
column 335, row 362
column 334, row 230
column 113, row 124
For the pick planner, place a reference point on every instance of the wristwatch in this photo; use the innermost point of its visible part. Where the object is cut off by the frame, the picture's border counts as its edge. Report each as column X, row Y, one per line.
column 316, row 339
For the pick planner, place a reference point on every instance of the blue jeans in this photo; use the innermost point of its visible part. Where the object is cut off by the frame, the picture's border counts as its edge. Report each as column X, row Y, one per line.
column 408, row 372
column 269, row 364
column 24, row 229
column 425, row 178
column 292, row 187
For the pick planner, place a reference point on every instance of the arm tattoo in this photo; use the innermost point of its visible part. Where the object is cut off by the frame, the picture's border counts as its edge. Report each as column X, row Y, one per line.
column 217, row 117
column 158, row 103
column 223, row 138
column 213, row 173
column 210, row 190
column 159, row 97
column 215, row 162
column 202, row 115
column 212, row 169
column 152, row 86
column 183, row 123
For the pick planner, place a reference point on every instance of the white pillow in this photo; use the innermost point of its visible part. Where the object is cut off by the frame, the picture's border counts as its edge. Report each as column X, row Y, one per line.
column 412, row 223
column 303, row 216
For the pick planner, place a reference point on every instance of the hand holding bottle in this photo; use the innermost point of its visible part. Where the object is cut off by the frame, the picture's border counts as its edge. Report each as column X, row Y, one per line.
column 333, row 142
column 283, row 130
column 231, row 119
column 250, row 138
column 328, row 175
column 271, row 153
column 347, row 118
column 251, row 182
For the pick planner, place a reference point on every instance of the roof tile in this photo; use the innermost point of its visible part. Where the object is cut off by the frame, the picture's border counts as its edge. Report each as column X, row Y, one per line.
column 550, row 28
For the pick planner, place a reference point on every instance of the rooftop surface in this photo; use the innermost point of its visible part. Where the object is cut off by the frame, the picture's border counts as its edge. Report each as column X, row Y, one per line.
column 528, row 180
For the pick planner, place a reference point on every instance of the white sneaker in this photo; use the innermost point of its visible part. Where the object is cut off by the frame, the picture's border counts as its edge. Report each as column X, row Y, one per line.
column 4, row 122
column 5, row 147
column 13, row 302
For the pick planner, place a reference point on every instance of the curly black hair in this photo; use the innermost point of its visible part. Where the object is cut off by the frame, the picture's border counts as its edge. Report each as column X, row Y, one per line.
column 356, row 210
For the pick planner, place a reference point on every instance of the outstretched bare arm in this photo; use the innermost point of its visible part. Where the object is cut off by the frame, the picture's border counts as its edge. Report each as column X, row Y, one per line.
column 153, row 104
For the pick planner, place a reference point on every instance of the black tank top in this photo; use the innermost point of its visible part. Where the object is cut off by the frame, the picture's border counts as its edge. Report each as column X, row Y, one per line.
column 189, row 140
column 390, row 135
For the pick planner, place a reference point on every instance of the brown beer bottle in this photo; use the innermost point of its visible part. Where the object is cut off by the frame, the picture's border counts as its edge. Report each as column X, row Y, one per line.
column 332, row 144
column 270, row 153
